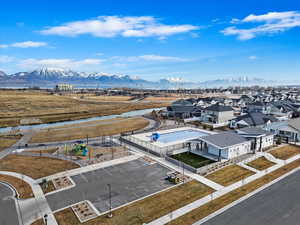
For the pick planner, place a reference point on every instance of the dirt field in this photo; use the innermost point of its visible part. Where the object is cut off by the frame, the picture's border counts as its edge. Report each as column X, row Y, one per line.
column 229, row 175
column 21, row 186
column 145, row 210
column 8, row 140
column 261, row 163
column 285, row 152
column 39, row 166
column 43, row 107
column 90, row 129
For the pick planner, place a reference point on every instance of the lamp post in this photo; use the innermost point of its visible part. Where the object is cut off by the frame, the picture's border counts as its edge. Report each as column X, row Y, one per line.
column 109, row 190
column 46, row 219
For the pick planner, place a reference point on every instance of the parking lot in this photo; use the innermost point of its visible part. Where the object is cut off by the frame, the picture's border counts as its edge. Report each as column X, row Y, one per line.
column 277, row 205
column 129, row 181
column 8, row 211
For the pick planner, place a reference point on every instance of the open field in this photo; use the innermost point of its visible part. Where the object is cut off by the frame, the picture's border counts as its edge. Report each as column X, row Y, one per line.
column 285, row 152
column 107, row 98
column 48, row 150
column 261, row 163
column 42, row 107
column 145, row 210
column 192, row 159
column 35, row 167
column 21, row 186
column 8, row 140
column 205, row 210
column 163, row 99
column 229, row 175
column 90, row 129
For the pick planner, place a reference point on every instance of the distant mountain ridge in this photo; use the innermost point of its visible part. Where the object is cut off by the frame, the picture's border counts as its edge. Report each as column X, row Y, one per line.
column 49, row 77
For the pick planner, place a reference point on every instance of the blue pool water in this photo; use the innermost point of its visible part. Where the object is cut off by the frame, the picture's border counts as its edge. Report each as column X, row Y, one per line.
column 180, row 135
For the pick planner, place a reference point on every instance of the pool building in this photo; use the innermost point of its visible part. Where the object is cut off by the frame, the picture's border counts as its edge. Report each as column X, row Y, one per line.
column 169, row 140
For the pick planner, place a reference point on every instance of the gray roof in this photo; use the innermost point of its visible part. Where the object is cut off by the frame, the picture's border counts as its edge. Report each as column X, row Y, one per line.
column 253, row 131
column 295, row 123
column 256, row 118
column 218, row 108
column 224, row 139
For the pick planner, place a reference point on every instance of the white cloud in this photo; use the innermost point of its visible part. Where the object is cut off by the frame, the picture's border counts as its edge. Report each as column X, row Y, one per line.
column 6, row 59
column 60, row 63
column 25, row 44
column 112, row 26
column 252, row 57
column 270, row 23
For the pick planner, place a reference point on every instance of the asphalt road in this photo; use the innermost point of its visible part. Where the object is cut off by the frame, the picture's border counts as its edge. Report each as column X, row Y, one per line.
column 8, row 211
column 279, row 204
column 129, row 181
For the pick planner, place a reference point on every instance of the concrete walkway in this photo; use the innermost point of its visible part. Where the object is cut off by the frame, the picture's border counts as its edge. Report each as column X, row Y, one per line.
column 196, row 204
column 34, row 208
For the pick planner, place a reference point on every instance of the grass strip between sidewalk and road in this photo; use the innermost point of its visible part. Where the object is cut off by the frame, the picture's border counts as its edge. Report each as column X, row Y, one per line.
column 21, row 186
column 211, row 207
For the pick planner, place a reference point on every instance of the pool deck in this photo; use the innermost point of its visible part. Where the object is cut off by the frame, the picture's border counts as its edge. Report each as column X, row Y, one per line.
column 145, row 137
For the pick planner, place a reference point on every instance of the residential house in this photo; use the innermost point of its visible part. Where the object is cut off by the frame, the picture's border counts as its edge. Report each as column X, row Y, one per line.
column 217, row 115
column 253, row 119
column 289, row 130
column 260, row 139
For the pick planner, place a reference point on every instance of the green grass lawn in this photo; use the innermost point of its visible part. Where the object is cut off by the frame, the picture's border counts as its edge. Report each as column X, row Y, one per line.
column 192, row 159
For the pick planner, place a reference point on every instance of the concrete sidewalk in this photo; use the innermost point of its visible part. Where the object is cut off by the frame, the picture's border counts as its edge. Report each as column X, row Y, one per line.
column 34, row 208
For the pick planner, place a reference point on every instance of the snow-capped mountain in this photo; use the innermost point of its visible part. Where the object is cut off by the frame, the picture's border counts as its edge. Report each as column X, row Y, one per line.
column 49, row 77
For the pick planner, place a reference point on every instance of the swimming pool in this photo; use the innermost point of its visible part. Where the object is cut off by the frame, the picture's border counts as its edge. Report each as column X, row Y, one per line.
column 180, row 135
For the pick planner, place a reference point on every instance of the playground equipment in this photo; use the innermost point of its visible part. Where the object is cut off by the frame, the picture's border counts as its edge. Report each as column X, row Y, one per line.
column 80, row 149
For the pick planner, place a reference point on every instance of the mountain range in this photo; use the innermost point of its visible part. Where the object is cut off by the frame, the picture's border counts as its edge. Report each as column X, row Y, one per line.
column 49, row 77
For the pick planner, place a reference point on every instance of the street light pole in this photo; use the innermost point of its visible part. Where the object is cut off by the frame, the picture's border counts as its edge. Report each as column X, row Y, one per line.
column 46, row 219
column 110, row 208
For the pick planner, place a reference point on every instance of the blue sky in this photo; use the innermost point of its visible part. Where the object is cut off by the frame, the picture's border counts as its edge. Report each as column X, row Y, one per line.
column 192, row 40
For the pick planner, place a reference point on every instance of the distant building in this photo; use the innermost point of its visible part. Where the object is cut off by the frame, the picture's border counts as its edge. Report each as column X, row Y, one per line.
column 64, row 87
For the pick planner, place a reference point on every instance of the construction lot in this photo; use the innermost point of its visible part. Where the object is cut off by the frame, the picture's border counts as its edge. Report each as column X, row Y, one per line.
column 129, row 181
